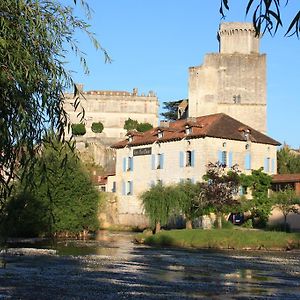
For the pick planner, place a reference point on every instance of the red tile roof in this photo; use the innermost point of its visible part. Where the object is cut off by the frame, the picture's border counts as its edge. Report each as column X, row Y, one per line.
column 216, row 125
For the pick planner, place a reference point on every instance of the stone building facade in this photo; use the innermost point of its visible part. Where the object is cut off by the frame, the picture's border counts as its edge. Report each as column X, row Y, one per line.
column 112, row 109
column 232, row 81
column 181, row 150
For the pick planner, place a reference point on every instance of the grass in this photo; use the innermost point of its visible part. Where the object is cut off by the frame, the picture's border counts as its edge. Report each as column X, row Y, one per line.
column 225, row 239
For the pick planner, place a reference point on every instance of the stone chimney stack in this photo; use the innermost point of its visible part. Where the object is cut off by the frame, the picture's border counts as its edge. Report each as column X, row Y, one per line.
column 237, row 38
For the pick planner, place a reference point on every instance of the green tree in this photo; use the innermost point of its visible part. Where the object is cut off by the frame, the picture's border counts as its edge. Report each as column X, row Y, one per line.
column 189, row 202
column 160, row 203
column 170, row 110
column 266, row 16
column 260, row 205
column 142, row 127
column 78, row 129
column 130, row 124
column 220, row 189
column 97, row 127
column 34, row 36
column 286, row 201
column 62, row 200
column 135, row 125
column 287, row 161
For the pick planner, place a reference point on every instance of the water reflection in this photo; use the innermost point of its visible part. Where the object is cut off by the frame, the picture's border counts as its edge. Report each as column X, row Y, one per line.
column 112, row 262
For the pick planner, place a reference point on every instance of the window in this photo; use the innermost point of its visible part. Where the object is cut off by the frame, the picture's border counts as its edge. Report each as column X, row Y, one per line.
column 160, row 134
column 157, row 161
column 188, row 130
column 160, row 161
column 114, row 187
column 129, row 190
column 186, row 159
column 130, row 164
column 222, row 157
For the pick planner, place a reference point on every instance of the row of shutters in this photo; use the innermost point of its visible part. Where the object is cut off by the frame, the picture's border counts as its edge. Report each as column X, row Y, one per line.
column 269, row 164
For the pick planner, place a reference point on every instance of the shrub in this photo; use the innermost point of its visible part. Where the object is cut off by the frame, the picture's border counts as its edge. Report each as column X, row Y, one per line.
column 248, row 224
column 225, row 224
column 142, row 127
column 97, row 127
column 78, row 129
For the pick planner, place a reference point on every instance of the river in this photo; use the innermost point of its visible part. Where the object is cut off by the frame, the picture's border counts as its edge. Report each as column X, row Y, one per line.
column 112, row 267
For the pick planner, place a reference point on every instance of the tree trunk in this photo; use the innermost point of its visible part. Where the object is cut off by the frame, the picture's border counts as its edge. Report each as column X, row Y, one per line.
column 219, row 220
column 285, row 223
column 188, row 224
column 157, row 227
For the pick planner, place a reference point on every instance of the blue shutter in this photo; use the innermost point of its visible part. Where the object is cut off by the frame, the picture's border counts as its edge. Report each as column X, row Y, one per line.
column 124, row 164
column 181, row 159
column 266, row 165
column 248, row 161
column 193, row 158
column 123, row 188
column 273, row 165
column 161, row 162
column 193, row 180
column 230, row 159
column 153, row 161
column 220, row 156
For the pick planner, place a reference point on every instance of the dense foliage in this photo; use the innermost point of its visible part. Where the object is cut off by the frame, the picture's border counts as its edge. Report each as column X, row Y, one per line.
column 286, row 201
column 190, row 204
column 78, row 129
column 97, row 127
column 160, row 203
column 135, row 125
column 61, row 200
column 142, row 127
column 288, row 161
column 260, row 205
column 170, row 110
column 34, row 35
column 220, row 188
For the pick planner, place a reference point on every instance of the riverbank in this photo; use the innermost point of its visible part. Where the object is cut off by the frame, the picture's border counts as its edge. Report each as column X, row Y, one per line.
column 223, row 239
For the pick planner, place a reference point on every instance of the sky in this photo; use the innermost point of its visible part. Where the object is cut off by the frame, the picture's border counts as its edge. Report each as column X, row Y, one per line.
column 153, row 43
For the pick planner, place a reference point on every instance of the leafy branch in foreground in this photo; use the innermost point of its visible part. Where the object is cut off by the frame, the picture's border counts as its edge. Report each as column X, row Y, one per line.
column 33, row 76
column 266, row 16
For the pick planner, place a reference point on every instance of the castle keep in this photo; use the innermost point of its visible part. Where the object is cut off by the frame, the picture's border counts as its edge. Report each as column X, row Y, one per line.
column 232, row 81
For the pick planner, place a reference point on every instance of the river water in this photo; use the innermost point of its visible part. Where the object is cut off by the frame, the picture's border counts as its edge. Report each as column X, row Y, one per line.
column 112, row 267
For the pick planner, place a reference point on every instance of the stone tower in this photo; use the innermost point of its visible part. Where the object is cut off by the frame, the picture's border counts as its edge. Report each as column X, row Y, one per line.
column 232, row 81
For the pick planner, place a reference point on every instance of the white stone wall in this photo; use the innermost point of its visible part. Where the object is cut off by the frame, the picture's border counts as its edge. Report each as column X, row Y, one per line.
column 112, row 109
column 205, row 150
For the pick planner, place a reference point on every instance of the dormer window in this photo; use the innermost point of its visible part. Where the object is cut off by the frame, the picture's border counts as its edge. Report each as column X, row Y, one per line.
column 188, row 130
column 247, row 134
column 160, row 134
column 130, row 138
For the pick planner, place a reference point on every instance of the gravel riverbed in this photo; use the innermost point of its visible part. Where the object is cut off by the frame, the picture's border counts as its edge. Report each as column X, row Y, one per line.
column 112, row 267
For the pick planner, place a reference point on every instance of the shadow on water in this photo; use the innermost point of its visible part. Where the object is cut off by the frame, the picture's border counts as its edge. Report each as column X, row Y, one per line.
column 111, row 267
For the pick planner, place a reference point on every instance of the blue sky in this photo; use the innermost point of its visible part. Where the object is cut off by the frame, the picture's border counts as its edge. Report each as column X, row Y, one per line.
column 153, row 43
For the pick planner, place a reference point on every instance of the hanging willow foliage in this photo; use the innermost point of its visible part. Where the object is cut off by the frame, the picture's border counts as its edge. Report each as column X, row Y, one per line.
column 34, row 35
column 160, row 203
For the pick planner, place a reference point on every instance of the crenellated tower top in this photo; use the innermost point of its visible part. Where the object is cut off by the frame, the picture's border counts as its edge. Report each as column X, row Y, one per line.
column 237, row 38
